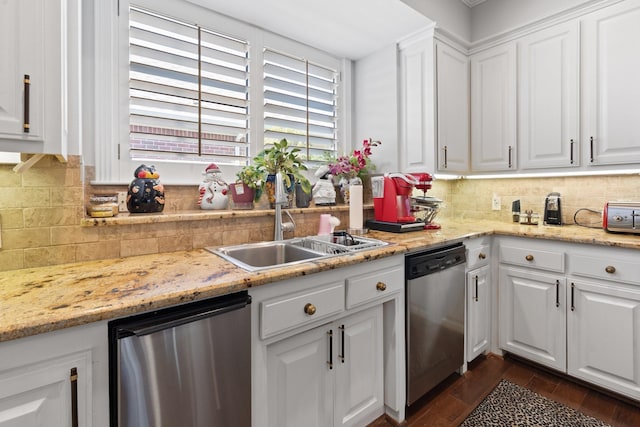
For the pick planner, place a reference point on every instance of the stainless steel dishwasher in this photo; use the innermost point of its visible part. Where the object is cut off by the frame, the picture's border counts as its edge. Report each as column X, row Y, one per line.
column 435, row 317
column 186, row 366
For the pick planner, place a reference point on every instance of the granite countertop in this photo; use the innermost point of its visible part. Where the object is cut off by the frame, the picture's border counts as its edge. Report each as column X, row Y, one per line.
column 45, row 299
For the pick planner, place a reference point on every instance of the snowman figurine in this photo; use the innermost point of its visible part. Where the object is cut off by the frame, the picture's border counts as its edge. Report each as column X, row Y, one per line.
column 213, row 190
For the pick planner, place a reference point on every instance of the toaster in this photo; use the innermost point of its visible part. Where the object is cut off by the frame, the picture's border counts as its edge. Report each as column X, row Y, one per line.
column 621, row 217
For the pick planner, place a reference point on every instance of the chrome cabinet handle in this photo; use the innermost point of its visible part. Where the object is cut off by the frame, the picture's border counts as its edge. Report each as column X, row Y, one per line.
column 610, row 269
column 591, row 147
column 27, row 85
column 310, row 309
column 557, row 293
column 476, row 288
column 571, row 153
column 573, row 307
column 73, row 377
column 510, row 157
column 381, row 286
column 330, row 361
column 529, row 257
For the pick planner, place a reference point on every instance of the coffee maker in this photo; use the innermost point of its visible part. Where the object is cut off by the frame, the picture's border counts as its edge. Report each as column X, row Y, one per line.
column 552, row 209
column 392, row 203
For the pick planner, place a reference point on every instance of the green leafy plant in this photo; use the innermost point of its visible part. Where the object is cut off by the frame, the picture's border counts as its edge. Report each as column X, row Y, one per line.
column 253, row 178
column 284, row 159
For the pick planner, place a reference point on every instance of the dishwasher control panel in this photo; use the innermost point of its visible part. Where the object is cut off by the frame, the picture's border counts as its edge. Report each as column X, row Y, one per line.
column 432, row 261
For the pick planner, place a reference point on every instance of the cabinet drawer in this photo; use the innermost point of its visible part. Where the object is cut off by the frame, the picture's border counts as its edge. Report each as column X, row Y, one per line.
column 534, row 258
column 291, row 311
column 373, row 285
column 605, row 268
column 478, row 256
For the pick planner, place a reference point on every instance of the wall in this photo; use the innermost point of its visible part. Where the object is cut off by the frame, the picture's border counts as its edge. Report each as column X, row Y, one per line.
column 471, row 198
column 41, row 211
column 375, row 110
column 496, row 16
column 452, row 15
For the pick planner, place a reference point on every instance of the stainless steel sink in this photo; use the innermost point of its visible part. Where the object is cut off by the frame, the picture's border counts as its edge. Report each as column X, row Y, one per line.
column 257, row 256
column 263, row 255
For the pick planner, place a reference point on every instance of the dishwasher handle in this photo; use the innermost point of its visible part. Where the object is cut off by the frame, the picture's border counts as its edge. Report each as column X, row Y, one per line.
column 169, row 319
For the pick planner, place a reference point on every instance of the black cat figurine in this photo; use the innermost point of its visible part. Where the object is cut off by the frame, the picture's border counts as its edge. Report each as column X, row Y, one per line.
column 145, row 194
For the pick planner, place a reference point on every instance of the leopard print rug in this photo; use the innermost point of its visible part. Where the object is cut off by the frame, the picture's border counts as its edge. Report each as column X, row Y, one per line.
column 512, row 405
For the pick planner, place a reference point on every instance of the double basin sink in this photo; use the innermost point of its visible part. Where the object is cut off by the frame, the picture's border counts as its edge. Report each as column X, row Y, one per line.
column 264, row 255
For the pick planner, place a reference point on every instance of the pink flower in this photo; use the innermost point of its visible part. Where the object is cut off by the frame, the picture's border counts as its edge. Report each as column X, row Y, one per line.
column 357, row 163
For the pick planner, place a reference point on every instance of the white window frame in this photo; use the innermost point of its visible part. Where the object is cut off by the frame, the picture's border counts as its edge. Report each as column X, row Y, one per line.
column 109, row 87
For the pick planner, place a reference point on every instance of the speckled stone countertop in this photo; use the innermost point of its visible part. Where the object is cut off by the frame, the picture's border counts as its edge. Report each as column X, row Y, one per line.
column 39, row 300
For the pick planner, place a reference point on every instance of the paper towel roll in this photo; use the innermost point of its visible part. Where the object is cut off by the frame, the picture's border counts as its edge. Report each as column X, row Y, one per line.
column 355, row 207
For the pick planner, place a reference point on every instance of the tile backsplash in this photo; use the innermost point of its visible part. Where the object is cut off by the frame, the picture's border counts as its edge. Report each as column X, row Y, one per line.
column 41, row 211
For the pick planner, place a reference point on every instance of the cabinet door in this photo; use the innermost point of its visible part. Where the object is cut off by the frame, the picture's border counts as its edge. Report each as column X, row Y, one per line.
column 478, row 311
column 359, row 396
column 43, row 395
column 300, row 382
column 611, row 88
column 604, row 336
column 452, row 78
column 548, row 103
column 532, row 316
column 22, row 45
column 416, row 107
column 493, row 109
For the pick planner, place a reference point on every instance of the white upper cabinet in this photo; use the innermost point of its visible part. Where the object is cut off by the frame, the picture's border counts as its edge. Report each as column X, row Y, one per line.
column 611, row 88
column 548, row 97
column 36, row 44
column 452, row 85
column 493, row 109
column 416, row 112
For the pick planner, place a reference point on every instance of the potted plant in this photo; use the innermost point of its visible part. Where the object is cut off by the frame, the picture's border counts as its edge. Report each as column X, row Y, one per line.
column 286, row 160
column 247, row 188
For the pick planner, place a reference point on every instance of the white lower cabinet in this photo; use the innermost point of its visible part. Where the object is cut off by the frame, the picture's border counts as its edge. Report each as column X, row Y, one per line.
column 342, row 362
column 330, row 375
column 45, row 394
column 478, row 312
column 532, row 316
column 55, row 379
column 582, row 318
column 603, row 332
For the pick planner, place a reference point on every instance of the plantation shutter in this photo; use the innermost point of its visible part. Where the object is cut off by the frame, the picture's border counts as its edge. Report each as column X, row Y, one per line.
column 300, row 104
column 188, row 92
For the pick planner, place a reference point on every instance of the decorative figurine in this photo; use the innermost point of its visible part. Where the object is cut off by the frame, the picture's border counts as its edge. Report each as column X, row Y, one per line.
column 213, row 190
column 323, row 192
column 145, row 194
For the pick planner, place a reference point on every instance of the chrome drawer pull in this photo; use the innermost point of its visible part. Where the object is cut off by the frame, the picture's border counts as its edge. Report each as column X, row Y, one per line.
column 310, row 309
column 610, row 269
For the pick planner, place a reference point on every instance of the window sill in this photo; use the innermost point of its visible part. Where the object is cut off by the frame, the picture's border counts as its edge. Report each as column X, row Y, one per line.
column 203, row 215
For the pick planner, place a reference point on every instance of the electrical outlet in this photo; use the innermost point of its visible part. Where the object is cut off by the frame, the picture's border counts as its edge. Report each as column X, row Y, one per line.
column 495, row 202
column 122, row 202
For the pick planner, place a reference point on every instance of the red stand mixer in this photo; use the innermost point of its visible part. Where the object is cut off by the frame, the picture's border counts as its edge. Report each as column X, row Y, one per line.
column 394, row 207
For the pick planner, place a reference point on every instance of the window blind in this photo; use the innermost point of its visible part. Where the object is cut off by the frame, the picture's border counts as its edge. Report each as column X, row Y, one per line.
column 188, row 92
column 300, row 103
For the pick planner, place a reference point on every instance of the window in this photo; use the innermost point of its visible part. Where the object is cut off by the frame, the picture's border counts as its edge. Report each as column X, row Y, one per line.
column 300, row 104
column 180, row 86
column 188, row 92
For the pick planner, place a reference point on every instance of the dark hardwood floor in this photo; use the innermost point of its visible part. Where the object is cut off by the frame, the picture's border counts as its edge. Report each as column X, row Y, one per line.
column 454, row 399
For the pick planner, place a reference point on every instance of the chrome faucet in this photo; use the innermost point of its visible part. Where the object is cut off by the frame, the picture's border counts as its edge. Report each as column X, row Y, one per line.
column 281, row 199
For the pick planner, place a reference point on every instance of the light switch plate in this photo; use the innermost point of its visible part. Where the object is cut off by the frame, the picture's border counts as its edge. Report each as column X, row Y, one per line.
column 122, row 202
column 495, row 202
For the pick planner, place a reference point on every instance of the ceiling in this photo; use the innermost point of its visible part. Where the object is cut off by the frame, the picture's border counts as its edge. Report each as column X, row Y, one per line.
column 472, row 3
column 359, row 28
